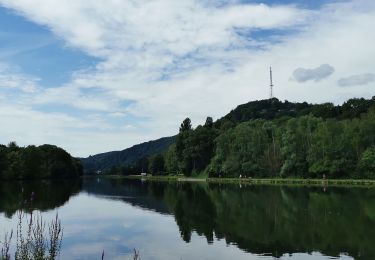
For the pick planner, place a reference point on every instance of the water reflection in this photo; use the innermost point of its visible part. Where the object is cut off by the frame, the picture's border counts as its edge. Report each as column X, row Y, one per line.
column 46, row 194
column 262, row 220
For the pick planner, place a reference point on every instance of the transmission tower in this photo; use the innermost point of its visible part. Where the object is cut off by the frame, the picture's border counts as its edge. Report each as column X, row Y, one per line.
column 271, row 84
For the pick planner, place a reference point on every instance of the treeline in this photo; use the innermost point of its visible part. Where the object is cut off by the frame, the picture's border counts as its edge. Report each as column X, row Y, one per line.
column 306, row 146
column 271, row 138
column 33, row 162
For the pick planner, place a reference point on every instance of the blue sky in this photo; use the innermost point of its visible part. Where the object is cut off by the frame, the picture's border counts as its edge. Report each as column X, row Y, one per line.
column 37, row 51
column 109, row 74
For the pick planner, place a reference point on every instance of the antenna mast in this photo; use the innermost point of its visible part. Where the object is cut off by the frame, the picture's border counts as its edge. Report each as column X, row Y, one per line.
column 271, row 84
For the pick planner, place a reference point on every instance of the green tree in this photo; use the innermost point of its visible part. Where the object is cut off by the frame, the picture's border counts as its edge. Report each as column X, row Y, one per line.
column 182, row 147
column 156, row 166
column 186, row 125
column 209, row 122
column 171, row 161
column 367, row 163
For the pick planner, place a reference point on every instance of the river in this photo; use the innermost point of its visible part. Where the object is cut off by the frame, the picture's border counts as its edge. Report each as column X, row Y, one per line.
column 183, row 220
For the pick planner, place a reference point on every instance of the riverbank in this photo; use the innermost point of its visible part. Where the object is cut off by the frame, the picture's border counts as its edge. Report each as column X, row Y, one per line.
column 268, row 181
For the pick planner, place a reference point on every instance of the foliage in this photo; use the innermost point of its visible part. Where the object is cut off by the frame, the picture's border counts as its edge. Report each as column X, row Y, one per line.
column 367, row 163
column 31, row 162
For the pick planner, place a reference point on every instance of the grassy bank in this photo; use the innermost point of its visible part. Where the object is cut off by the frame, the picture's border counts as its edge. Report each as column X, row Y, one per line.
column 153, row 178
column 289, row 181
column 275, row 181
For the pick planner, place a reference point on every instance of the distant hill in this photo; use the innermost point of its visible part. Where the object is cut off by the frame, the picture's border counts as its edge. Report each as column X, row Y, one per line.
column 129, row 156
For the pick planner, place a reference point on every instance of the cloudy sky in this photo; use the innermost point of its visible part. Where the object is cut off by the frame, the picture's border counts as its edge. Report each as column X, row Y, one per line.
column 94, row 76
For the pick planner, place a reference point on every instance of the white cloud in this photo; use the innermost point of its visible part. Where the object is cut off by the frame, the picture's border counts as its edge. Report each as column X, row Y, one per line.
column 10, row 78
column 323, row 71
column 356, row 80
column 172, row 59
column 176, row 27
column 73, row 96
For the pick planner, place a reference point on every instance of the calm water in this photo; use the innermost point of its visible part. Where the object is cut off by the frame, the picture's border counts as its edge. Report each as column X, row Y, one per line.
column 200, row 221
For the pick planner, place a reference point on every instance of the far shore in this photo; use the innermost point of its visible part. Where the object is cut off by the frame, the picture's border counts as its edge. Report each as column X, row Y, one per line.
column 272, row 181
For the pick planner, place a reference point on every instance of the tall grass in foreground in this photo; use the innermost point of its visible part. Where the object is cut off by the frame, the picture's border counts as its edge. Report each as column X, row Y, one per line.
column 36, row 240
column 135, row 255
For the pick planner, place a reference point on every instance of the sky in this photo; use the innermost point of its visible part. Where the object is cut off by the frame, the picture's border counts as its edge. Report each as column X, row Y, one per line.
column 97, row 76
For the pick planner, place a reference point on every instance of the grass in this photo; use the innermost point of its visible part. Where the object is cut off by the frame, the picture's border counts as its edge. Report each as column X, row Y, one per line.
column 201, row 175
column 275, row 181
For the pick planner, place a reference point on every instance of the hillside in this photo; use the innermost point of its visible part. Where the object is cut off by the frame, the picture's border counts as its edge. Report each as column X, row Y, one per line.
column 127, row 157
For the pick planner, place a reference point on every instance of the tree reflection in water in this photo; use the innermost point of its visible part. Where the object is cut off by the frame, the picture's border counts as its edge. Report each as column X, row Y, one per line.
column 272, row 220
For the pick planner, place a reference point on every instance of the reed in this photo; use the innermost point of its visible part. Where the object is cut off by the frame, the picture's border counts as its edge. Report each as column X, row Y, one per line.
column 35, row 239
column 6, row 246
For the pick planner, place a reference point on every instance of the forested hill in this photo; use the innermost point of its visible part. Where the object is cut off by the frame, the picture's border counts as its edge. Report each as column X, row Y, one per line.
column 265, row 138
column 271, row 138
column 270, row 109
column 133, row 156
